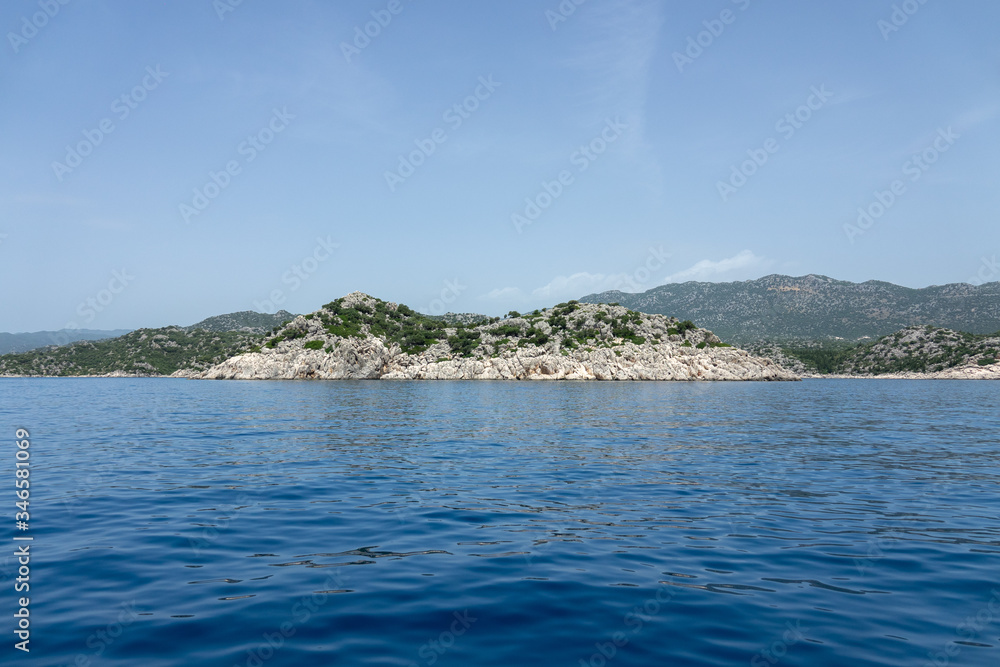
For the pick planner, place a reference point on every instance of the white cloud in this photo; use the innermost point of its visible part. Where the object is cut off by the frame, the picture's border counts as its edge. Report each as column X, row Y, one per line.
column 577, row 285
column 977, row 115
column 503, row 294
column 564, row 288
column 739, row 267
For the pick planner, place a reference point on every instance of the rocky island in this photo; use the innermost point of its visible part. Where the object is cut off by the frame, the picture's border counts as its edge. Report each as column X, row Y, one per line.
column 361, row 337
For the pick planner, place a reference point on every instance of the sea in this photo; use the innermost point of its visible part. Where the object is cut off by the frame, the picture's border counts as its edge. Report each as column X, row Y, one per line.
column 244, row 524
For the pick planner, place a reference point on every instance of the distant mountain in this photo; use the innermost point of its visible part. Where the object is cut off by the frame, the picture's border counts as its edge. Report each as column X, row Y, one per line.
column 22, row 342
column 141, row 352
column 783, row 308
column 917, row 349
column 246, row 321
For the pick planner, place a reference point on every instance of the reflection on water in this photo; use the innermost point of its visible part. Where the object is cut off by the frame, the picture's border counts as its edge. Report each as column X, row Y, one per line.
column 385, row 523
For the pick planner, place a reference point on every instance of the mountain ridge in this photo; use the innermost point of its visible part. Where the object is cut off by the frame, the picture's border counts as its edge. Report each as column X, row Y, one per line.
column 816, row 307
column 14, row 343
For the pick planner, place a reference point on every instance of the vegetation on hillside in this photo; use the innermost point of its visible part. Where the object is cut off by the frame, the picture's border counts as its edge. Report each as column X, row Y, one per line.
column 921, row 349
column 141, row 352
column 247, row 321
column 794, row 311
column 565, row 327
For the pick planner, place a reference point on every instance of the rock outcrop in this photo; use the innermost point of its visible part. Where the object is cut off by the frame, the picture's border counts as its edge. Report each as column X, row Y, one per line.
column 359, row 337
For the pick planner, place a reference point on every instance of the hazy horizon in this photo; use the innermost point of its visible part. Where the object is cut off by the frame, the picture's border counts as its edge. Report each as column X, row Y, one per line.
column 444, row 309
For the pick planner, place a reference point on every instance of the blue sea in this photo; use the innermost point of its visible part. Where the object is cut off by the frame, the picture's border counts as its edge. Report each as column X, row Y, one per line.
column 825, row 522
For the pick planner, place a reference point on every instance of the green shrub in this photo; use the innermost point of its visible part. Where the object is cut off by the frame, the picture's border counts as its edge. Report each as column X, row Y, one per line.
column 506, row 330
column 685, row 326
column 464, row 342
column 314, row 345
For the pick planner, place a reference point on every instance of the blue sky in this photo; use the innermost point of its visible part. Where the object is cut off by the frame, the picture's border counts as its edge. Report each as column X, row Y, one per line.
column 164, row 162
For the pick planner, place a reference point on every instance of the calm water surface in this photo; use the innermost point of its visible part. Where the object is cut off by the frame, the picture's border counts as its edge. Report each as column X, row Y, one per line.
column 825, row 522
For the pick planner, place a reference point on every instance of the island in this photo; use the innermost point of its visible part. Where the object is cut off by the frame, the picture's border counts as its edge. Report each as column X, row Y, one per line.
column 362, row 337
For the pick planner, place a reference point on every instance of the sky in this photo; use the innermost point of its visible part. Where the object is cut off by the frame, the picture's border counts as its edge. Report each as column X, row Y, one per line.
column 165, row 162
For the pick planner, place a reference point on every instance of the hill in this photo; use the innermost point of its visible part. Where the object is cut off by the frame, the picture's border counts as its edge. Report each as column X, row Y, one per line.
column 785, row 309
column 23, row 342
column 921, row 349
column 246, row 321
column 145, row 352
column 361, row 337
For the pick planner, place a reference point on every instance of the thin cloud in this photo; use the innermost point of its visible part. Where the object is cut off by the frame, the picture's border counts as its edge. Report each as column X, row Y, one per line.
column 740, row 266
column 617, row 51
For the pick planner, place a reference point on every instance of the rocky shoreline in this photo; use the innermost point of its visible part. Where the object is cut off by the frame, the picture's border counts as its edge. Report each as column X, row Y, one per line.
column 371, row 360
column 569, row 342
column 963, row 373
